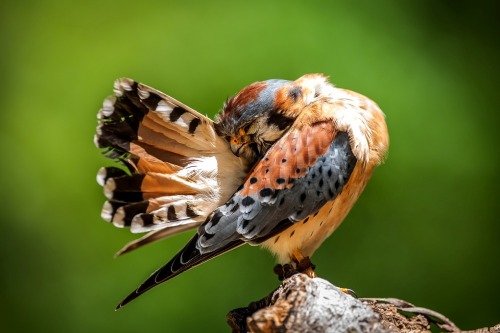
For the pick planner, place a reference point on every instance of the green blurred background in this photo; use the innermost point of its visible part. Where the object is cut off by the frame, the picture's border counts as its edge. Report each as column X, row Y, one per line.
column 426, row 229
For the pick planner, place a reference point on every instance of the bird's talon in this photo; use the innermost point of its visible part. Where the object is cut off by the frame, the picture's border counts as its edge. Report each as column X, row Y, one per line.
column 284, row 271
column 349, row 292
column 278, row 270
column 310, row 272
column 304, row 265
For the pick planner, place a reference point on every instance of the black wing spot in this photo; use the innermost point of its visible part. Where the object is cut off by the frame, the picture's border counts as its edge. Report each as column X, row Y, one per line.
column 267, row 170
column 245, row 223
column 282, row 201
column 266, row 191
column 280, row 180
column 176, row 113
column 276, row 239
column 283, row 160
column 291, row 234
column 306, row 220
column 247, row 201
column 303, row 197
column 235, row 208
column 207, row 236
column 337, row 184
column 330, row 172
column 216, row 217
column 321, row 182
column 253, row 180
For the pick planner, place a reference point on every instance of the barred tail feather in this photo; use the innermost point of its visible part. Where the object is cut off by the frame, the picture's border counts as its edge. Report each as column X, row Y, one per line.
column 172, row 156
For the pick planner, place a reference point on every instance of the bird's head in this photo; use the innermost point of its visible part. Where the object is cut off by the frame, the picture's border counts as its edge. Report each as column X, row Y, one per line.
column 251, row 121
column 260, row 113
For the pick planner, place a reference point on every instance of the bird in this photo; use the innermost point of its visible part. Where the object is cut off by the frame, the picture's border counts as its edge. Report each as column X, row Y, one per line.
column 280, row 167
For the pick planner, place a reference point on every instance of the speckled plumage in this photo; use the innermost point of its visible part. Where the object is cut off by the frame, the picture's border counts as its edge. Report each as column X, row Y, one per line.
column 281, row 167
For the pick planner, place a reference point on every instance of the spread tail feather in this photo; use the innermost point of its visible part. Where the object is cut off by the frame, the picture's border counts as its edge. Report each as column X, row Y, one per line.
column 173, row 158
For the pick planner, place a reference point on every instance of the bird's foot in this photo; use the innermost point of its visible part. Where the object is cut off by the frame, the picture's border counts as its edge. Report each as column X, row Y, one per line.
column 300, row 266
column 307, row 267
column 284, row 271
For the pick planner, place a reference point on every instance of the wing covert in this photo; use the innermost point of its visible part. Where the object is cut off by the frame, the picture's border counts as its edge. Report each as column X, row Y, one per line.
column 296, row 177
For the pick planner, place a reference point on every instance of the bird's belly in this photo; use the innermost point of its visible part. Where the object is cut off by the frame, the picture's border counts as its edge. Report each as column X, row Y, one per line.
column 307, row 235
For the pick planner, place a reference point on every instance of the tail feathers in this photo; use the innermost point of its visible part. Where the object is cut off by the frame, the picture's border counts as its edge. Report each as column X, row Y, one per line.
column 151, row 201
column 172, row 156
column 150, row 184
column 141, row 121
column 154, row 214
column 189, row 257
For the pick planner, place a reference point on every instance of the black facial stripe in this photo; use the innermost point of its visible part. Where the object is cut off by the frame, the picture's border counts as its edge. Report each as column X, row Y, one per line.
column 255, row 149
column 279, row 120
column 294, row 93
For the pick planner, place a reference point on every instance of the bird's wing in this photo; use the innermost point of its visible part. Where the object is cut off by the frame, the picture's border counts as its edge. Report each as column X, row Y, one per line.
column 172, row 156
column 303, row 170
column 306, row 168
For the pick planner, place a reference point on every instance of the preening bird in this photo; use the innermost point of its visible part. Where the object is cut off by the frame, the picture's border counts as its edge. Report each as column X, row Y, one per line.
column 280, row 167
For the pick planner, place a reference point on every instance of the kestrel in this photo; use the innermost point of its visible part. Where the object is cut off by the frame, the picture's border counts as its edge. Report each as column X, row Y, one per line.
column 280, row 167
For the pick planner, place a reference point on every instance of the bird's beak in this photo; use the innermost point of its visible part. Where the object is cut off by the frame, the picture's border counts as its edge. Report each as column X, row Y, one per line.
column 237, row 142
column 235, row 148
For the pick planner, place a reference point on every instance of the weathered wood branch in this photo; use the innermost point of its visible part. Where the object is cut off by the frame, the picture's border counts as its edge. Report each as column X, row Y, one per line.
column 302, row 304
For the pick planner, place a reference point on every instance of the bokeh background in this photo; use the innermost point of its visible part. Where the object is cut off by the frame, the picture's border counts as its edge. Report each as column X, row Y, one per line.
column 426, row 229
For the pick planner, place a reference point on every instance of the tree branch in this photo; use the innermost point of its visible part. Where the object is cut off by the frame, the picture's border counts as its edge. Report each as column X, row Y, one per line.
column 301, row 304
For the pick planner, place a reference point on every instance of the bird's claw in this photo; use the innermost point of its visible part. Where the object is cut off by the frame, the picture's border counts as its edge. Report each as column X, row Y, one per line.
column 301, row 266
column 349, row 292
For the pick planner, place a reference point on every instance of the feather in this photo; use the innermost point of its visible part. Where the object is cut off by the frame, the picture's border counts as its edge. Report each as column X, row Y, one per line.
column 173, row 158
